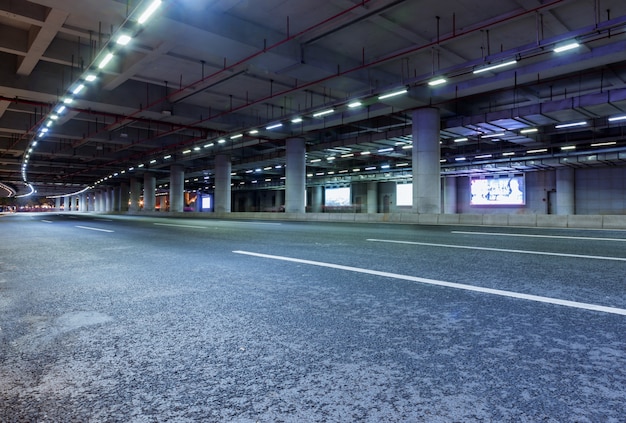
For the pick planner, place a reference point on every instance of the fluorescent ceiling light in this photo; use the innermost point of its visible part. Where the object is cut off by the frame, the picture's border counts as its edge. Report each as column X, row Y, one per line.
column 140, row 165
column 510, row 153
column 493, row 67
column 221, row 141
column 169, row 156
column 296, row 120
column 123, row 39
column 371, row 168
column 78, row 89
column 528, row 130
column 44, row 130
column 254, row 132
column 461, row 139
column 49, row 123
column 152, row 161
column 68, row 100
column 330, row 159
column 617, row 118
column 365, row 153
column 234, row 137
column 209, row 145
column 499, row 134
column 570, row 125
column 355, row 104
column 185, row 152
column 565, row 47
column 385, row 166
column 402, row 164
column 484, row 156
column 149, row 11
column 460, row 159
column 437, row 81
column 277, row 125
column 407, row 147
column 315, row 160
column 196, row 149
column 324, row 113
column 539, row 150
column 393, row 94
column 568, row 147
column 91, row 77
column 343, row 156
column 386, row 150
column 105, row 61
column 61, row 109
column 604, row 144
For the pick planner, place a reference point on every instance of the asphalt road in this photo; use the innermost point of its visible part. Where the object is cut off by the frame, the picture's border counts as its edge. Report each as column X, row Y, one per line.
column 110, row 318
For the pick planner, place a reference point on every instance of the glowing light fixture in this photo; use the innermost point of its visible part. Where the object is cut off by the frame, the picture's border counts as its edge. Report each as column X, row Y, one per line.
column 539, row 150
column 124, row 39
column 603, row 144
column 78, row 89
column 91, row 77
column 565, row 47
column 234, row 137
column 105, row 61
column 438, row 81
column 323, row 113
column 254, row 132
column 355, row 104
column 148, row 12
column 276, row 125
column 617, row 118
column 296, row 120
column 528, row 131
column 499, row 134
column 568, row 147
column 494, row 67
column 221, row 141
column 393, row 94
column 570, row 125
column 461, row 139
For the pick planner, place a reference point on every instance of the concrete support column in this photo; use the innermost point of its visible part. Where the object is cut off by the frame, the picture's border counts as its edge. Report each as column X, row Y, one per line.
column 426, row 165
column 124, row 197
column 295, row 176
column 67, row 205
column 149, row 192
column 57, row 203
column 317, row 199
column 565, row 191
column 89, row 202
column 134, row 195
column 115, row 199
column 280, row 199
column 222, row 184
column 450, row 196
column 372, row 197
column 96, row 201
column 177, row 188
column 107, row 200
column 82, row 203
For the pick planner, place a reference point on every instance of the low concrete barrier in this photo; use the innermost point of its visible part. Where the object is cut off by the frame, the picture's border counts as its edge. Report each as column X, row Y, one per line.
column 617, row 222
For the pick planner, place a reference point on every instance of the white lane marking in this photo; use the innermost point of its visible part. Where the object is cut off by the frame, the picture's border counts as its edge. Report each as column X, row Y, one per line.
column 104, row 220
column 502, row 293
column 95, row 229
column 180, row 226
column 46, row 221
column 541, row 236
column 502, row 250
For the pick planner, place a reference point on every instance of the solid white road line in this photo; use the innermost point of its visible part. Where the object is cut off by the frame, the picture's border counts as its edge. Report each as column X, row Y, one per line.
column 582, row 238
column 95, row 229
column 180, row 226
column 511, row 294
column 502, row 250
column 46, row 221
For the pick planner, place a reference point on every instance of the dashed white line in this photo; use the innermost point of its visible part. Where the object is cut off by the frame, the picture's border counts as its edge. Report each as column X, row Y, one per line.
column 180, row 226
column 502, row 250
column 499, row 292
column 540, row 236
column 89, row 228
column 46, row 221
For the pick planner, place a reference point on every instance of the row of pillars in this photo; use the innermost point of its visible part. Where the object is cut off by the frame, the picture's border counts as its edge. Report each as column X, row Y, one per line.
column 426, row 154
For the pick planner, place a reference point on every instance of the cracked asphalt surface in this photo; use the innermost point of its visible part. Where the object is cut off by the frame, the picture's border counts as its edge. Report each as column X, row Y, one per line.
column 115, row 318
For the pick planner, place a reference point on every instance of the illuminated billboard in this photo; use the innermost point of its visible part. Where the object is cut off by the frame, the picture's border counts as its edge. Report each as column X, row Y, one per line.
column 502, row 190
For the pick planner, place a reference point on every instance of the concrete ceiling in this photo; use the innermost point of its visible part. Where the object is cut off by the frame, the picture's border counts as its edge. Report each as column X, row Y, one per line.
column 201, row 71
